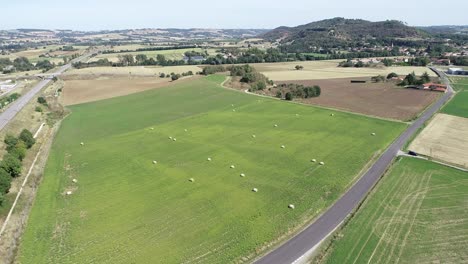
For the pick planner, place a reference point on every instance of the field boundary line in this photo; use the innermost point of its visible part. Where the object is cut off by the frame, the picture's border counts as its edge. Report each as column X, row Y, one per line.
column 19, row 193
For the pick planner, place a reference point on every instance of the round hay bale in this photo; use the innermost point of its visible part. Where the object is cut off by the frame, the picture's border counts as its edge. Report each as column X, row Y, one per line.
column 152, row 128
column 174, row 139
column 232, row 105
column 291, row 206
column 242, row 174
column 233, row 110
column 373, row 134
column 332, row 114
column 155, row 162
column 82, row 144
column 232, row 167
column 74, row 180
column 185, row 130
column 254, row 136
column 283, row 146
column 322, row 163
column 170, row 138
column 191, row 180
column 254, row 190
column 209, row 159
column 276, row 125
column 314, row 160
column 69, row 192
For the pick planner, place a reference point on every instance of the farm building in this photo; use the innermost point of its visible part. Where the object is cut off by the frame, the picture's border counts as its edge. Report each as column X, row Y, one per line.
column 433, row 87
column 457, row 71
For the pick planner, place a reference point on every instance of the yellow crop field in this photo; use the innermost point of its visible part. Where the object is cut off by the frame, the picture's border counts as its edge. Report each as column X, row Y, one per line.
column 329, row 69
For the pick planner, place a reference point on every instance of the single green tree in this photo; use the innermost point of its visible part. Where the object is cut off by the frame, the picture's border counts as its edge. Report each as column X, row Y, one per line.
column 11, row 164
column 425, row 78
column 10, row 141
column 42, row 100
column 288, row 96
column 27, row 137
column 19, row 151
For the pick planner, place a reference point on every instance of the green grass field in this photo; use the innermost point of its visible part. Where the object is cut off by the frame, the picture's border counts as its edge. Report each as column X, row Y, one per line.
column 458, row 106
column 125, row 209
column 418, row 214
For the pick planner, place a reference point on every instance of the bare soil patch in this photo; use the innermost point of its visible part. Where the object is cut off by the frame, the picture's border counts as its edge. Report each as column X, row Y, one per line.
column 384, row 100
column 445, row 138
column 81, row 89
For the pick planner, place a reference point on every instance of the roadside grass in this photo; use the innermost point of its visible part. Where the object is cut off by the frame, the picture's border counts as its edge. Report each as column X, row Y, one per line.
column 458, row 106
column 416, row 214
column 125, row 209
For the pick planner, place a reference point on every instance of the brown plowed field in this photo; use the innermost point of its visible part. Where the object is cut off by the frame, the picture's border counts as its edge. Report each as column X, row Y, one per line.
column 384, row 100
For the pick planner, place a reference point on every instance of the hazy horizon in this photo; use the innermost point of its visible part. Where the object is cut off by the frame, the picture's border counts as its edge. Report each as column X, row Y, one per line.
column 87, row 15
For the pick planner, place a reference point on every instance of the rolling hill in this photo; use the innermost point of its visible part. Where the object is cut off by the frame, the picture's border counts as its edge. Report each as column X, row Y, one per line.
column 339, row 32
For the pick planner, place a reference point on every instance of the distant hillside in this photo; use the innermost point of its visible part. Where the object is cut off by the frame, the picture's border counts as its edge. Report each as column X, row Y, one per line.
column 446, row 29
column 337, row 32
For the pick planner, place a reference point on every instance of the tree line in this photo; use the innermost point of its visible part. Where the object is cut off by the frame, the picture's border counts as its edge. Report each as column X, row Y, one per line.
column 23, row 64
column 291, row 90
column 11, row 165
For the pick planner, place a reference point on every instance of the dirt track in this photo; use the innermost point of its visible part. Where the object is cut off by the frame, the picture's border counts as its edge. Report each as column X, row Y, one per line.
column 377, row 99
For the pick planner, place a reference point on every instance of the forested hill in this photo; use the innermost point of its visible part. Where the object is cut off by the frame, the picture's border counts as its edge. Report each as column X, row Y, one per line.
column 341, row 32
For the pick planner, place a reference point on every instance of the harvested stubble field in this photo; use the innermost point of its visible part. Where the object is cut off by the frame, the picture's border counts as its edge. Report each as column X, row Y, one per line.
column 328, row 70
column 445, row 138
column 376, row 99
column 458, row 106
column 126, row 209
column 79, row 89
column 417, row 214
column 132, row 70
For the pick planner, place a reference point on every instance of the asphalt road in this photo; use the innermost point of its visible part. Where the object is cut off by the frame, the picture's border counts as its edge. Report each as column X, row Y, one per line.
column 310, row 237
column 17, row 105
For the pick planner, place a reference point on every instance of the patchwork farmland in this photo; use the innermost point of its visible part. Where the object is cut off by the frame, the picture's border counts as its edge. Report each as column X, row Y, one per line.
column 416, row 215
column 159, row 173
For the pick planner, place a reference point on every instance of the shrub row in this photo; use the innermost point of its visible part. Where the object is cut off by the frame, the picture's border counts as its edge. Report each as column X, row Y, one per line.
column 11, row 165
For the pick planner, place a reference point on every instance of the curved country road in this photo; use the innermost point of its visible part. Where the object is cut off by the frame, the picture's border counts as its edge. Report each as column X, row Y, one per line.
column 300, row 245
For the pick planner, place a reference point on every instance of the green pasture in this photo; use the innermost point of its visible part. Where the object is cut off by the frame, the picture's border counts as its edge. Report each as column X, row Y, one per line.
column 417, row 214
column 458, row 106
column 125, row 209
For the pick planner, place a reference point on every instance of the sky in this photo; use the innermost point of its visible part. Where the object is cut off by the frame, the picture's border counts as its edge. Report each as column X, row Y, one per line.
column 128, row 14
